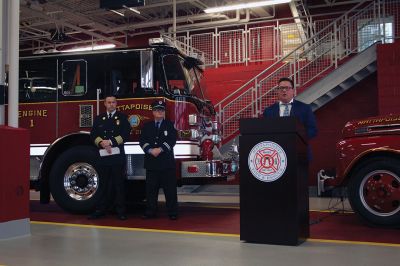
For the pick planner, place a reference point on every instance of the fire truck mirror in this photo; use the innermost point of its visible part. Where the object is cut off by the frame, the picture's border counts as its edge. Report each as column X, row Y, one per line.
column 146, row 69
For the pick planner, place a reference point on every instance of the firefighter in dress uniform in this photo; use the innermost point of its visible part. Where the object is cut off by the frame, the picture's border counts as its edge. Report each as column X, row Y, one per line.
column 109, row 132
column 157, row 140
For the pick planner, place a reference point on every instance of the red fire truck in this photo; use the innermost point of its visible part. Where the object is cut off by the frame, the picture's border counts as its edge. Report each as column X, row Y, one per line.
column 368, row 163
column 61, row 94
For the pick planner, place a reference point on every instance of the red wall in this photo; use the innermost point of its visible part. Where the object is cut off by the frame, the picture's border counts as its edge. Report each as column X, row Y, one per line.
column 358, row 102
column 222, row 81
column 389, row 78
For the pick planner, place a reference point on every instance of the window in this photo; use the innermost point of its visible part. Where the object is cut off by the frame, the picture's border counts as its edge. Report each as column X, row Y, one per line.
column 370, row 32
column 38, row 80
column 123, row 75
column 175, row 75
column 37, row 89
column 74, row 77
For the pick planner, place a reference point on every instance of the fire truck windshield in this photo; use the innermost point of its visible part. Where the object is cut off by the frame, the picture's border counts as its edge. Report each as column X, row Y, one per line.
column 182, row 79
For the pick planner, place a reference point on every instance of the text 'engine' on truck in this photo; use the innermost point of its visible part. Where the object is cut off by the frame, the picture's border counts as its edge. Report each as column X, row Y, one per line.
column 61, row 94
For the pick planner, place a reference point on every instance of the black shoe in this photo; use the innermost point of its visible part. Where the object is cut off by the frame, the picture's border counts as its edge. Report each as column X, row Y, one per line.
column 96, row 215
column 148, row 216
column 173, row 217
column 122, row 216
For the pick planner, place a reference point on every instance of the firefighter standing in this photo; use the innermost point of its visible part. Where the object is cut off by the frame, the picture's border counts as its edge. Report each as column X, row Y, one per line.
column 110, row 130
column 157, row 140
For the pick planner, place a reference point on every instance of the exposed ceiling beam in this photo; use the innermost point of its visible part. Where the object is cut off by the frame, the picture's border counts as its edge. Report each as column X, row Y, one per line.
column 67, row 24
column 79, row 16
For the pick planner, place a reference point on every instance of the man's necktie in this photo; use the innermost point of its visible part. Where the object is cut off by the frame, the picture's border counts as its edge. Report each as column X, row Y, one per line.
column 286, row 110
column 109, row 116
column 157, row 125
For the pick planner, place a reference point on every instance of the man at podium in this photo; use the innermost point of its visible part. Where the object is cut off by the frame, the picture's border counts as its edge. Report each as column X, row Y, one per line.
column 288, row 106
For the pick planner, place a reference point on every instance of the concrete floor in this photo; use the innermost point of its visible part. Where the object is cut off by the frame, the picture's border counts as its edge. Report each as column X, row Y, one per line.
column 62, row 244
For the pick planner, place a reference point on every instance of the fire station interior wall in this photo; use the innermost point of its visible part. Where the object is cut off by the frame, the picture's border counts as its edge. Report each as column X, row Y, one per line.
column 376, row 95
column 389, row 78
column 358, row 102
column 222, row 81
column 14, row 182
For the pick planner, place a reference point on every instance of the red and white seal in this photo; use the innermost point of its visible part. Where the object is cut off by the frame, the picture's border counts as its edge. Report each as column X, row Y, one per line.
column 267, row 161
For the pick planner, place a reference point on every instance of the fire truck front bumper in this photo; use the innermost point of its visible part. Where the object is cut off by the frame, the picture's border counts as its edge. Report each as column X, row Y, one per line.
column 213, row 168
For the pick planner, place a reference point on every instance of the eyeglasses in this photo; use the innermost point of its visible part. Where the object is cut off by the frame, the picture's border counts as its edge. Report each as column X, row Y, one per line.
column 284, row 88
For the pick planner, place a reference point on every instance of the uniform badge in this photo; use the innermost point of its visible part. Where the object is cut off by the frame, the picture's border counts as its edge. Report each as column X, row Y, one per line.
column 165, row 133
column 116, row 117
column 104, row 118
column 117, row 122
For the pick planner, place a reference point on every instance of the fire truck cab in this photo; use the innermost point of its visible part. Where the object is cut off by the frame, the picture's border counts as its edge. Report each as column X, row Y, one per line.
column 60, row 95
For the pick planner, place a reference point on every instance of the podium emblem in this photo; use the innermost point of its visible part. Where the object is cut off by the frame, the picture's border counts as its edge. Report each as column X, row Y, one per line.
column 267, row 161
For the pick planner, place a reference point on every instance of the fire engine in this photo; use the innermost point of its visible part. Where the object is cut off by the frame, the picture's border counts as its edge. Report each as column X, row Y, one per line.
column 368, row 163
column 60, row 95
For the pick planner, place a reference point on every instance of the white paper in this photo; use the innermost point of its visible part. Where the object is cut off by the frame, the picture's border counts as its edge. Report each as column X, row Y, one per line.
column 114, row 150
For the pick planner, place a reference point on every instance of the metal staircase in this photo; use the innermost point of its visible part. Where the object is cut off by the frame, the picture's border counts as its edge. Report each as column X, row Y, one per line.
column 324, row 66
column 303, row 19
column 341, row 79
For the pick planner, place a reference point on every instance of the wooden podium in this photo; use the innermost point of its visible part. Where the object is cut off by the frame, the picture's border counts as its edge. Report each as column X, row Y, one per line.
column 273, row 181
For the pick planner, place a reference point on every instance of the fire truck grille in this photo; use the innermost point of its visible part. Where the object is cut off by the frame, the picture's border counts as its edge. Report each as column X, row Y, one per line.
column 85, row 115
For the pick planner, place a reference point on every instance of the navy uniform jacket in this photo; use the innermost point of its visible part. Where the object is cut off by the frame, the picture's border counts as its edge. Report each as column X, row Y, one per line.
column 164, row 138
column 300, row 110
column 117, row 129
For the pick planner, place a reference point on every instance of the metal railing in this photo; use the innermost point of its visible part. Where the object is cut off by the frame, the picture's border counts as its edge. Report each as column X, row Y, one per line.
column 360, row 27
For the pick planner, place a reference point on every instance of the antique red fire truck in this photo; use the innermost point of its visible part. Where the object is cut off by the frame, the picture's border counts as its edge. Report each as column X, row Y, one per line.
column 61, row 94
column 368, row 163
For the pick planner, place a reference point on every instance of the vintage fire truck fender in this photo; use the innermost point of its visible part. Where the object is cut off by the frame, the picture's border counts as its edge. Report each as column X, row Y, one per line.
column 368, row 162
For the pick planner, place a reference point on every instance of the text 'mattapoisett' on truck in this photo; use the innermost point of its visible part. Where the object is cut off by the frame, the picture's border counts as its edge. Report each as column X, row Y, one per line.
column 60, row 94
column 368, row 163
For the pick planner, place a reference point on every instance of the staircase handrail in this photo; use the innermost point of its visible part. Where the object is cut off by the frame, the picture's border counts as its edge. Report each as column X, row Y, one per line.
column 219, row 104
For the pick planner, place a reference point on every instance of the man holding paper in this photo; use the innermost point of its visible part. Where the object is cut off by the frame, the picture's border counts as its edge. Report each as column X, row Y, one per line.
column 109, row 132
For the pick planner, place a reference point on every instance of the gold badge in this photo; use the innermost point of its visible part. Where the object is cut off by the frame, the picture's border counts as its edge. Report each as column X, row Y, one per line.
column 117, row 122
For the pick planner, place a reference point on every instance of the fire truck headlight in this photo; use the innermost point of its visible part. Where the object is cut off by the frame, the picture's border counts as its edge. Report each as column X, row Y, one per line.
column 216, row 126
column 193, row 119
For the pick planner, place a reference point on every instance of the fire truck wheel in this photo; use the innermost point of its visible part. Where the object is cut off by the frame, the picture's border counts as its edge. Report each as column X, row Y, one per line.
column 74, row 181
column 374, row 191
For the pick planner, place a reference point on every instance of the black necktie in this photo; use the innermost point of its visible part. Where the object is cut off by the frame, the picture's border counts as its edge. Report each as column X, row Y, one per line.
column 109, row 116
column 157, row 125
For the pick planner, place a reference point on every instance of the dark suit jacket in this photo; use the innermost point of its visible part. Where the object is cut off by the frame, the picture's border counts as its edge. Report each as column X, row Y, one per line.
column 117, row 129
column 165, row 138
column 300, row 110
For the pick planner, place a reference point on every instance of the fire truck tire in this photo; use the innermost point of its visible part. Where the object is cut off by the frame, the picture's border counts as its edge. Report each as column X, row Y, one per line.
column 74, row 181
column 374, row 192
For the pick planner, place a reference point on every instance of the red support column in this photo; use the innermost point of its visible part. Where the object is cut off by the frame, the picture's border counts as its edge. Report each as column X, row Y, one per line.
column 14, row 182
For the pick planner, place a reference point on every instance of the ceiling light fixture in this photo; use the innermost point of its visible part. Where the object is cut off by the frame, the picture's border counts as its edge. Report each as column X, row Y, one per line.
column 245, row 5
column 132, row 9
column 90, row 48
column 117, row 12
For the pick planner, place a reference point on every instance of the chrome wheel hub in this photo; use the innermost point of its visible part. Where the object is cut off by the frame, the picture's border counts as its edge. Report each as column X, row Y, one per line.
column 81, row 181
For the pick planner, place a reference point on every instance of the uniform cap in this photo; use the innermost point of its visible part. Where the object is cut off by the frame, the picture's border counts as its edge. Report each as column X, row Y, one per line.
column 158, row 105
